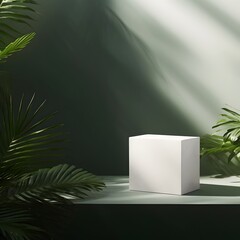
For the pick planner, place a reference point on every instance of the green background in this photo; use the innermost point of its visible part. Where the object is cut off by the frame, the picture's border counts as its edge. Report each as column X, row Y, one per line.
column 96, row 72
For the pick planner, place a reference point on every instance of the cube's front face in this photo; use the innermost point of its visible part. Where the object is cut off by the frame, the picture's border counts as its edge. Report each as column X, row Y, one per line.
column 155, row 165
column 164, row 164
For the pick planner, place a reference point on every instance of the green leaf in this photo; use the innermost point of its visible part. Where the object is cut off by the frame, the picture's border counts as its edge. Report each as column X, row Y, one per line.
column 214, row 144
column 25, row 141
column 16, row 223
column 13, row 14
column 226, row 145
column 230, row 124
column 56, row 184
column 18, row 1
column 19, row 7
column 16, row 46
column 232, row 112
column 224, row 122
column 231, row 156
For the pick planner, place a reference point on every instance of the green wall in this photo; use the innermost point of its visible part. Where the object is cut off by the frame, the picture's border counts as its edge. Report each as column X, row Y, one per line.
column 96, row 73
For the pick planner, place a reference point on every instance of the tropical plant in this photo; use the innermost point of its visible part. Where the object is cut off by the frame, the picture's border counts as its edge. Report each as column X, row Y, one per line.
column 16, row 46
column 14, row 12
column 31, row 187
column 27, row 143
column 226, row 146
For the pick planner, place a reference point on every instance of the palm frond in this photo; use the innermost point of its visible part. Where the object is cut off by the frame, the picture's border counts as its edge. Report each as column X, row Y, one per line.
column 230, row 124
column 16, row 46
column 226, row 146
column 26, row 143
column 12, row 12
column 59, row 184
column 211, row 144
column 15, row 223
column 17, row 1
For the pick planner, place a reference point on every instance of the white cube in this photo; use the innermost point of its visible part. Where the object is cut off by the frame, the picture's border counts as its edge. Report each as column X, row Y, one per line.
column 164, row 163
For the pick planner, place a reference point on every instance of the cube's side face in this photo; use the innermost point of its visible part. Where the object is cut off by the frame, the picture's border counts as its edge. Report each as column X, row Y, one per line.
column 155, row 165
column 190, row 165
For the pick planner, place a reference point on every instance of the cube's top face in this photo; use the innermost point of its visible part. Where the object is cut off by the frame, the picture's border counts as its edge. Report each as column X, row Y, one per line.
column 164, row 137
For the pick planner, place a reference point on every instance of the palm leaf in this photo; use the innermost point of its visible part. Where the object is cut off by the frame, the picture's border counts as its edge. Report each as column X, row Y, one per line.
column 222, row 155
column 12, row 15
column 60, row 184
column 15, row 11
column 19, row 7
column 15, row 223
column 16, row 46
column 25, row 142
column 233, row 113
column 230, row 125
column 25, row 145
column 17, row 1
column 228, row 145
column 214, row 144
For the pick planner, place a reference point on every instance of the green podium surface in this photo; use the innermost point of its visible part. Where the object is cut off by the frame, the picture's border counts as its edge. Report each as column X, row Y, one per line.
column 212, row 191
column 212, row 212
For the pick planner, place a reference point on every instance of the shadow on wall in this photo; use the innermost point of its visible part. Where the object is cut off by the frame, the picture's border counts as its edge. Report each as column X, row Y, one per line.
column 95, row 72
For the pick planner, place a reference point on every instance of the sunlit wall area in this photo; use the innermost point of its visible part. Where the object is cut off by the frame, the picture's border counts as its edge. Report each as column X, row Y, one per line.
column 118, row 68
column 195, row 46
